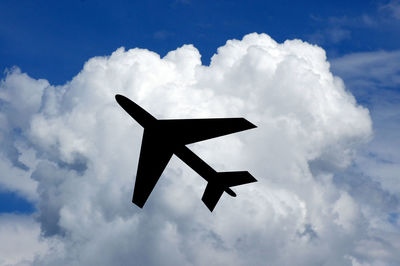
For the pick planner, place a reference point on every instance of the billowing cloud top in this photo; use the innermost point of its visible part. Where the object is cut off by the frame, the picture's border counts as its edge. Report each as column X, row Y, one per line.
column 73, row 151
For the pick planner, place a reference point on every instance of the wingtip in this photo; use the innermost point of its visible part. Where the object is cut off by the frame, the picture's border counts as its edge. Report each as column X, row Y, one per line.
column 251, row 178
column 209, row 206
column 138, row 203
column 252, row 125
column 249, row 125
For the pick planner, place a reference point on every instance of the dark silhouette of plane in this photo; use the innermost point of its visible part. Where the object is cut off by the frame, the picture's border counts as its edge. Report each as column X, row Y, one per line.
column 163, row 138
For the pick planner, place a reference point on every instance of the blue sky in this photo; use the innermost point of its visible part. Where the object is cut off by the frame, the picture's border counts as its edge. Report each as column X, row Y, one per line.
column 52, row 40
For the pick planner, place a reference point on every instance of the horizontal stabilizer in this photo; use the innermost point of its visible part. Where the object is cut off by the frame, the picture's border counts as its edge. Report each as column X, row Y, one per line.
column 211, row 195
column 231, row 179
column 221, row 184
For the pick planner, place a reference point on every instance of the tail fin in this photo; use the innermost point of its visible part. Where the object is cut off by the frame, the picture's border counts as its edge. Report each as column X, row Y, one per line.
column 222, row 182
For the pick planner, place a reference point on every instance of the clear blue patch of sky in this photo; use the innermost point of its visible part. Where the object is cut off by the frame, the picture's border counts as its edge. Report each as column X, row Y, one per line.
column 393, row 218
column 11, row 202
column 53, row 39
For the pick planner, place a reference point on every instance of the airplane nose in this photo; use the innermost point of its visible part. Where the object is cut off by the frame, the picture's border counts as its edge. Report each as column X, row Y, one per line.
column 119, row 98
column 135, row 111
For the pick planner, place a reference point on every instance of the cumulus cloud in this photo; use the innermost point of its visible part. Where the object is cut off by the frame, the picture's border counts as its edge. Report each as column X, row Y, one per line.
column 76, row 153
column 380, row 73
column 21, row 241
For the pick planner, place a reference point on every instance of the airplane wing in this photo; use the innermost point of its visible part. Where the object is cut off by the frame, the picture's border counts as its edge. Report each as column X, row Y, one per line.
column 154, row 157
column 193, row 130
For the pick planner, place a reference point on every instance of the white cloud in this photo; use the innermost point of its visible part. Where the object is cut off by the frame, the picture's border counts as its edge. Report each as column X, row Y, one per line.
column 332, row 34
column 375, row 77
column 21, row 241
column 81, row 149
column 393, row 7
column 369, row 69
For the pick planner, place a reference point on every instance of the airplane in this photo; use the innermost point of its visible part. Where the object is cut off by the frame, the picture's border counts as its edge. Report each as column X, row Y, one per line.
column 163, row 138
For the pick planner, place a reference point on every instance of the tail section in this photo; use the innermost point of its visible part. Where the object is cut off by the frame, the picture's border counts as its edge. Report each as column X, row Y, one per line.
column 222, row 183
column 211, row 195
column 231, row 179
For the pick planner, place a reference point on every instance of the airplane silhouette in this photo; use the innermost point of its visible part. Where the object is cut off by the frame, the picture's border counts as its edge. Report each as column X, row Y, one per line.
column 163, row 138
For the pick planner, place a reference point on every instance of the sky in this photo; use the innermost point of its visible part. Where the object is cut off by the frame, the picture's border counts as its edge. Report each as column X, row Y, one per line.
column 319, row 79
